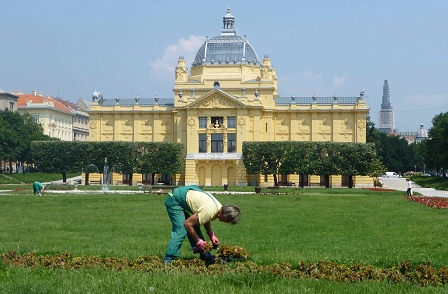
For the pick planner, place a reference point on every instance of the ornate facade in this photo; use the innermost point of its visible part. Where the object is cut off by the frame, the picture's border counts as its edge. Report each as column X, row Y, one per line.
column 229, row 96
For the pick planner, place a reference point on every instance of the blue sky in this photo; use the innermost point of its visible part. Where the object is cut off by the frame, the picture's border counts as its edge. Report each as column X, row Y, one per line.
column 128, row 48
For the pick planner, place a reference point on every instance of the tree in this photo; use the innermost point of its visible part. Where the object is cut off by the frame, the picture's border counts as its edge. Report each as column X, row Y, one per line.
column 22, row 129
column 57, row 156
column 396, row 154
column 437, row 145
column 315, row 158
column 159, row 158
column 9, row 140
column 298, row 160
column 361, row 159
column 264, row 157
column 119, row 157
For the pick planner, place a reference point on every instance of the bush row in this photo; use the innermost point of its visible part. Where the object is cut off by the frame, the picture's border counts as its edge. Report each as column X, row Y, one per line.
column 39, row 176
column 423, row 274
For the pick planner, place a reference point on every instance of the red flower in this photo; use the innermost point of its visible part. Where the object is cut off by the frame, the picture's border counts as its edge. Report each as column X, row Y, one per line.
column 434, row 202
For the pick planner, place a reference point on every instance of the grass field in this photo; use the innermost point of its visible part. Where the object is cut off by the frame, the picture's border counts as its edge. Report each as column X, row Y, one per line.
column 343, row 225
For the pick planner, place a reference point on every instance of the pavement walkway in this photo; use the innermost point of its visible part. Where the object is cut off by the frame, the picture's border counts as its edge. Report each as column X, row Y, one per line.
column 69, row 181
column 401, row 185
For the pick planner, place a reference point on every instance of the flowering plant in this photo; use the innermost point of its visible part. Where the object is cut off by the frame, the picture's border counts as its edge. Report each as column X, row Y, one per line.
column 434, row 202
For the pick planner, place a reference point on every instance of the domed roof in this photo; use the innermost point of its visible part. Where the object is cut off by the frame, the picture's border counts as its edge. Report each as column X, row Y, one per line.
column 228, row 48
column 96, row 96
column 421, row 133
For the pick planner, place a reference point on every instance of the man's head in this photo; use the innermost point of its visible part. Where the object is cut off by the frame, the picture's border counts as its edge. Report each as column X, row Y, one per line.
column 229, row 214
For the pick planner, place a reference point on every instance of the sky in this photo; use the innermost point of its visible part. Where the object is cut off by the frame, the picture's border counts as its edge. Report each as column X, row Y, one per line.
column 69, row 49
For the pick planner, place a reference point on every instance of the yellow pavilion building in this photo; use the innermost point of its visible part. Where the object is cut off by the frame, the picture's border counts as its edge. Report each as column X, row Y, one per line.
column 229, row 96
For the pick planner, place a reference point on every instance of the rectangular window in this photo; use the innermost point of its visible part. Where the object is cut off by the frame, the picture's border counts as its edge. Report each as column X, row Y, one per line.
column 231, row 143
column 217, row 121
column 36, row 118
column 217, row 143
column 231, row 122
column 11, row 106
column 202, row 122
column 202, row 143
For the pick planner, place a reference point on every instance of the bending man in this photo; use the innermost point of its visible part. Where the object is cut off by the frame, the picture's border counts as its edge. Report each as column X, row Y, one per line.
column 188, row 208
column 38, row 188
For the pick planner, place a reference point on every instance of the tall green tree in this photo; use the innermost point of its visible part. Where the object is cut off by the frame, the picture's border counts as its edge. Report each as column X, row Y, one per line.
column 264, row 157
column 23, row 129
column 9, row 140
column 56, row 157
column 397, row 154
column 437, row 145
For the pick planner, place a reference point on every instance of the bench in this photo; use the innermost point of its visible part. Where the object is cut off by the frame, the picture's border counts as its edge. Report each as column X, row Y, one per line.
column 165, row 187
column 158, row 189
column 95, row 182
column 272, row 190
column 147, row 189
column 286, row 184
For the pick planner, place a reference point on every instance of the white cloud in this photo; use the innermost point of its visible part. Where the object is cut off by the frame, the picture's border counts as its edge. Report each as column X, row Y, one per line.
column 428, row 100
column 184, row 47
column 309, row 75
column 309, row 83
column 338, row 81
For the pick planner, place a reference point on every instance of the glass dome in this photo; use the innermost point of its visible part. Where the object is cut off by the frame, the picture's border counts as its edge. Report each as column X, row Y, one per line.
column 228, row 48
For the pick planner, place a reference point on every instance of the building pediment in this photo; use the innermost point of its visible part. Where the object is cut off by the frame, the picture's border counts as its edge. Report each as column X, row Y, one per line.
column 216, row 99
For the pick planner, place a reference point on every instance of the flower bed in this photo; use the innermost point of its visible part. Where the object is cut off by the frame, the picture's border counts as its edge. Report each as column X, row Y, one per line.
column 380, row 189
column 404, row 272
column 434, row 202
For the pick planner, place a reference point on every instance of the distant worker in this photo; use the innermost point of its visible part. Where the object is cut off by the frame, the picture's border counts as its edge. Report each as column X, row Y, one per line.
column 38, row 188
column 409, row 187
column 188, row 208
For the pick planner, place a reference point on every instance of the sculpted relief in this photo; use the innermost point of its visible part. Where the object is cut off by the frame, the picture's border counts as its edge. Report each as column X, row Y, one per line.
column 217, row 102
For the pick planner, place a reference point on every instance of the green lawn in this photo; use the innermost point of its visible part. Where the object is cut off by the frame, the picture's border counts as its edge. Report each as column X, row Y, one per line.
column 343, row 225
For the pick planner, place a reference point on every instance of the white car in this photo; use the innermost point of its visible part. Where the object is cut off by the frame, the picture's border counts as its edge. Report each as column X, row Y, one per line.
column 391, row 175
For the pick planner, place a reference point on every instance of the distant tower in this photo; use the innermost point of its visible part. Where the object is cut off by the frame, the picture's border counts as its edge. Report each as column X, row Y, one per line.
column 386, row 119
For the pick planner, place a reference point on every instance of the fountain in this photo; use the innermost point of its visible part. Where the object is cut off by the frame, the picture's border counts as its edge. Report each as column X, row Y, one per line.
column 106, row 176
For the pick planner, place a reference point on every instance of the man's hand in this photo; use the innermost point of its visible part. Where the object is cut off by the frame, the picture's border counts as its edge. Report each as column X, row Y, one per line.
column 199, row 246
column 213, row 238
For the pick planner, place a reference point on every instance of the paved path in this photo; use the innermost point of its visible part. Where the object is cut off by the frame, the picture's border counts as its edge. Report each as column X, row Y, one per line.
column 69, row 180
column 401, row 185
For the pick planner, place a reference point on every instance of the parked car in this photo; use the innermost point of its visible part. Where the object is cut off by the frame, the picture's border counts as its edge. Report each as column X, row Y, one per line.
column 427, row 175
column 390, row 175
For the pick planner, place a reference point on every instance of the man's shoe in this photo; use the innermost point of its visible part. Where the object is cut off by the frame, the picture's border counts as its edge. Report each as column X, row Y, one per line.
column 168, row 259
column 208, row 258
